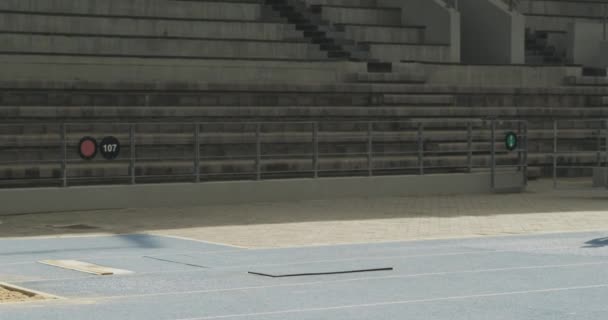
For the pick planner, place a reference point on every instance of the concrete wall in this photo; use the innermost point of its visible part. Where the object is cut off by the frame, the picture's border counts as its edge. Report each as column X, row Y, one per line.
column 584, row 43
column 491, row 34
column 15, row 201
column 442, row 23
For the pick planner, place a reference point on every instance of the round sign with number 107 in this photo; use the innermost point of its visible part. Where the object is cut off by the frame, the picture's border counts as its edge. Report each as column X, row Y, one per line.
column 109, row 147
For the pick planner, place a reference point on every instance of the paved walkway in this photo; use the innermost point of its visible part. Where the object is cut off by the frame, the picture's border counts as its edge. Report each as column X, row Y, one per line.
column 539, row 210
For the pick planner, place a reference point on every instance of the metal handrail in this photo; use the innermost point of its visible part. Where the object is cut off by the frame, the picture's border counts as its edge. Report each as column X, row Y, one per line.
column 369, row 136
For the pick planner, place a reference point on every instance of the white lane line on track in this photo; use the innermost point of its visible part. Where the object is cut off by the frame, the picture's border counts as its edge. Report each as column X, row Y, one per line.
column 197, row 240
column 222, row 268
column 477, row 251
column 111, row 257
column 400, row 302
column 313, row 283
column 424, row 248
column 539, row 234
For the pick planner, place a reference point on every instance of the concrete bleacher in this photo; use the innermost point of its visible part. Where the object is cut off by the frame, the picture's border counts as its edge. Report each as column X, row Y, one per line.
column 200, row 29
column 167, row 149
column 104, row 64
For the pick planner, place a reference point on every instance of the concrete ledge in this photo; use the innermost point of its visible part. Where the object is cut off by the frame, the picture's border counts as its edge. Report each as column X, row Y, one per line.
column 169, row 74
column 19, row 201
column 501, row 75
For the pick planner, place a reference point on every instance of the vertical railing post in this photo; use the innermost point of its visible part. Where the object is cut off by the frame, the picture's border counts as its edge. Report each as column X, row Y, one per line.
column 598, row 155
column 64, row 155
column 493, row 155
column 133, row 152
column 315, row 149
column 420, row 148
column 258, row 151
column 606, row 152
column 470, row 146
column 525, row 150
column 197, row 152
column 519, row 148
column 554, row 153
column 370, row 148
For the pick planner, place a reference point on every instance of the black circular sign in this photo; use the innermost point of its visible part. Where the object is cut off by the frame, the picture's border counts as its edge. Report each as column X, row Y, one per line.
column 511, row 141
column 87, row 148
column 109, row 147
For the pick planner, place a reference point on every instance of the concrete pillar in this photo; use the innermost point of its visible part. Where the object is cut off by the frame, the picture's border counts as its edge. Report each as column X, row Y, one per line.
column 586, row 44
column 491, row 33
column 442, row 22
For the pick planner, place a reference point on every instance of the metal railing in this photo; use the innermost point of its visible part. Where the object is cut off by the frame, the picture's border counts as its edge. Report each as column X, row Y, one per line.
column 47, row 154
column 590, row 153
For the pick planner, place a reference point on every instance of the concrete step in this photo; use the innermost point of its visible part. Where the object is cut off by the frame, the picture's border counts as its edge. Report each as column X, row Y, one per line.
column 286, row 167
column 413, row 99
column 382, row 77
column 397, row 52
column 593, row 9
column 137, row 98
column 295, row 87
column 162, row 48
column 599, row 101
column 586, row 81
column 359, row 15
column 351, row 3
column 384, row 34
column 392, row 108
column 219, row 10
column 138, row 27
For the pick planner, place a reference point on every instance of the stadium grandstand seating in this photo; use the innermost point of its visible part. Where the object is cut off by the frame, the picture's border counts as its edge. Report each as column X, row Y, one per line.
column 101, row 64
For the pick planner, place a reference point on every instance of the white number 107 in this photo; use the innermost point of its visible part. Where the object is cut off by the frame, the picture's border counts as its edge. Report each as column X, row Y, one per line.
column 110, row 147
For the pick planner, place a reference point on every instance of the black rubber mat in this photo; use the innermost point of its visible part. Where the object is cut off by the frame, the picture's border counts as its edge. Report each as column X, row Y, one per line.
column 317, row 273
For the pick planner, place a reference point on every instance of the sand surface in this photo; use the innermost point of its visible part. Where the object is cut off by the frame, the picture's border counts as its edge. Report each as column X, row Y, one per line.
column 7, row 295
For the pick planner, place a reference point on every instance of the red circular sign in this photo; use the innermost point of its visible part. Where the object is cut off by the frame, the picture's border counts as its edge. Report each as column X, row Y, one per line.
column 87, row 148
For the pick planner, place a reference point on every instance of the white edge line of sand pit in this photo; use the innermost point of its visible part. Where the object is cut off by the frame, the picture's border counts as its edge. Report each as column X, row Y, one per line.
column 27, row 291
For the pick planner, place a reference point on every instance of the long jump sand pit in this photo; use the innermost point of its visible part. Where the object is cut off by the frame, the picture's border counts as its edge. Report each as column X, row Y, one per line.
column 10, row 294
